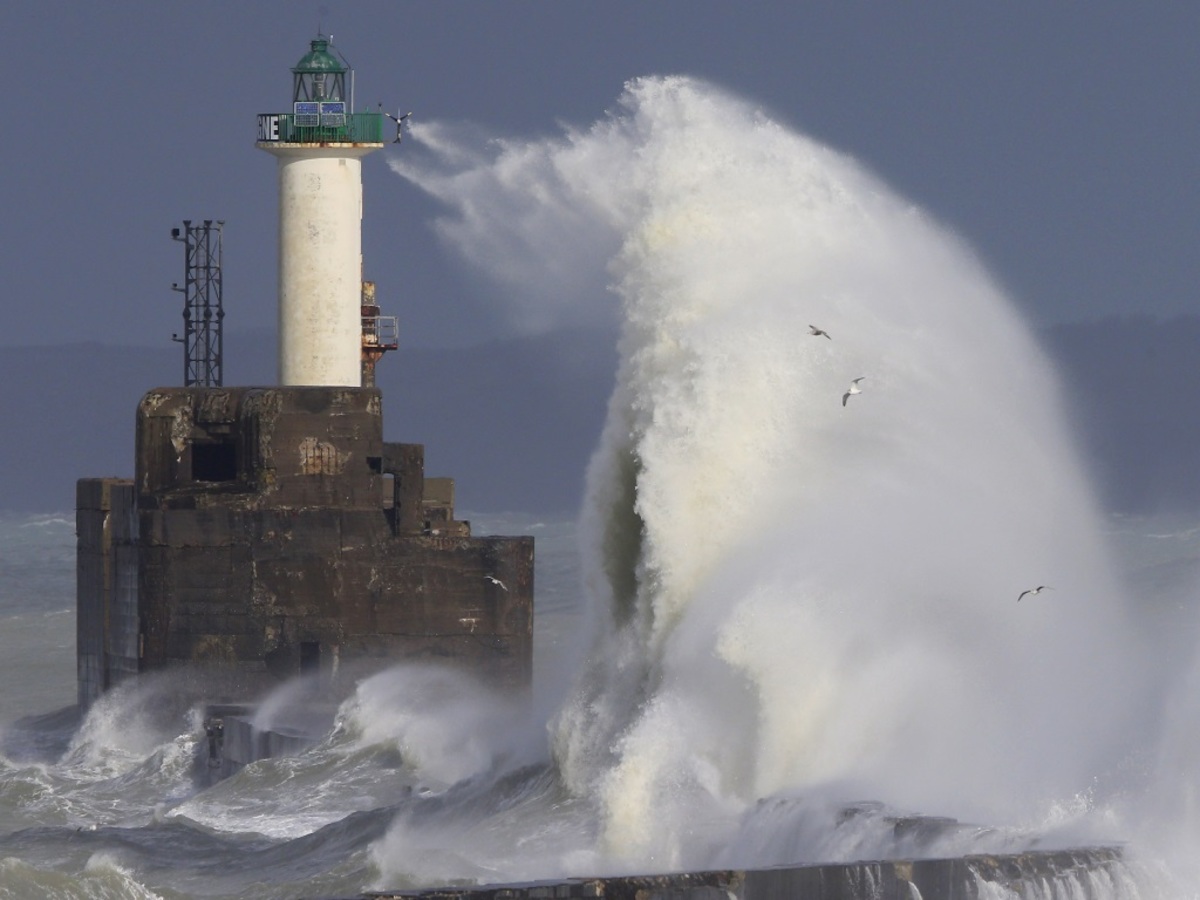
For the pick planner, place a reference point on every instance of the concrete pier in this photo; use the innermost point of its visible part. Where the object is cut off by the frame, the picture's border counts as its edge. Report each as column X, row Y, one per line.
column 1045, row 874
column 233, row 738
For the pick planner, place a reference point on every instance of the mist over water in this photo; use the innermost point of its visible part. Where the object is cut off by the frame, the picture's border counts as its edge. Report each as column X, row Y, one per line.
column 794, row 599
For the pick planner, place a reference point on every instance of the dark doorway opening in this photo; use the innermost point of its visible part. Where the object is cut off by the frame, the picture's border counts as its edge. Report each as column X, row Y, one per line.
column 215, row 461
column 310, row 657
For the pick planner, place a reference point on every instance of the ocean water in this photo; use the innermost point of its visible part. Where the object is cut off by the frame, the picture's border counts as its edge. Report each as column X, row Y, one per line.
column 782, row 617
column 427, row 780
column 111, row 807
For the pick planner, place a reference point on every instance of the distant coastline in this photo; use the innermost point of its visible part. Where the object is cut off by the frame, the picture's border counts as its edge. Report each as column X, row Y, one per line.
column 515, row 420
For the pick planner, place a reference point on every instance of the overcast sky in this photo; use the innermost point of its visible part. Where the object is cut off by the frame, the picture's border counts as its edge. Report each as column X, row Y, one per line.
column 1060, row 140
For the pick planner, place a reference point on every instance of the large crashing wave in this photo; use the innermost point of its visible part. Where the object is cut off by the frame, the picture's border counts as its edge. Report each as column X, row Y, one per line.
column 792, row 595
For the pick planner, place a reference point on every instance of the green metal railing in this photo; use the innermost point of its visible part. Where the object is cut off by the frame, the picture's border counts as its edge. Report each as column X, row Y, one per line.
column 353, row 128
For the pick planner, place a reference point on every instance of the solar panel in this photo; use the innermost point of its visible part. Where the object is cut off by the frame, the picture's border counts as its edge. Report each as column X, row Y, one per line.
column 307, row 113
column 333, row 114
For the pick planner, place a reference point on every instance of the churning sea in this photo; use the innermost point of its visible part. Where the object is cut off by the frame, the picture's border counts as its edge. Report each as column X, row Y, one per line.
column 108, row 807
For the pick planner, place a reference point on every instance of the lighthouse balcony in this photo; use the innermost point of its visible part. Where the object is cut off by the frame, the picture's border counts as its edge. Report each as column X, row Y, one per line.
column 380, row 331
column 320, row 128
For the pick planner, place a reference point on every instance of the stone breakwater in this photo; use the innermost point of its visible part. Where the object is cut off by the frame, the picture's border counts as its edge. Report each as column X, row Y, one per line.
column 1077, row 873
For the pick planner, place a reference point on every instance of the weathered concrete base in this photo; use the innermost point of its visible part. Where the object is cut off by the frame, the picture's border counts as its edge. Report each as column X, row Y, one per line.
column 1045, row 874
column 271, row 533
column 233, row 740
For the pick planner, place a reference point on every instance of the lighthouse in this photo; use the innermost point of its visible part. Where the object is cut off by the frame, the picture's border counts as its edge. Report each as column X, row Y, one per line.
column 319, row 146
column 271, row 532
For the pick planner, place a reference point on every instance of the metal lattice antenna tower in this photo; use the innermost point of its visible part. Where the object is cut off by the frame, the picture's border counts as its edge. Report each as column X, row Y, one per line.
column 203, row 313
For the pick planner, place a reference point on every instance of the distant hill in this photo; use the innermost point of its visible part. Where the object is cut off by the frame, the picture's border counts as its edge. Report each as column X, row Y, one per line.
column 1134, row 385
column 69, row 411
column 515, row 421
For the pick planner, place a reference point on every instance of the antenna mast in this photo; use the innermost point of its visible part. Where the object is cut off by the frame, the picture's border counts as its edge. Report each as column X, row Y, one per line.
column 203, row 313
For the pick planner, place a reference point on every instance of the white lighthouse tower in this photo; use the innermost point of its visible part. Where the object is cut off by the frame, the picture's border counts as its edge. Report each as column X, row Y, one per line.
column 320, row 145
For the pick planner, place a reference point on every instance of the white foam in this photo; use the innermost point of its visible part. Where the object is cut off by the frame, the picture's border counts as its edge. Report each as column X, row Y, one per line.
column 792, row 596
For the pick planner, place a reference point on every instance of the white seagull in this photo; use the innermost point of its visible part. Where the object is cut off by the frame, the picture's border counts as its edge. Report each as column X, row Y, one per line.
column 496, row 581
column 853, row 389
column 818, row 332
column 1036, row 590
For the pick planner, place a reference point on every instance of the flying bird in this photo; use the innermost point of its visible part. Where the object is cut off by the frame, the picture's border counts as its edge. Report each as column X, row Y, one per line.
column 496, row 581
column 853, row 389
column 1036, row 590
column 818, row 332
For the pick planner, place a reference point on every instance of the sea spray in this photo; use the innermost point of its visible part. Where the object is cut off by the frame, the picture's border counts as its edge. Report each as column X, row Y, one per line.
column 446, row 726
column 129, row 724
column 793, row 593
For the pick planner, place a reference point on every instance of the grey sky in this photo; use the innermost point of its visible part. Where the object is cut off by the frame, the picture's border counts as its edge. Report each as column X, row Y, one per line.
column 1060, row 140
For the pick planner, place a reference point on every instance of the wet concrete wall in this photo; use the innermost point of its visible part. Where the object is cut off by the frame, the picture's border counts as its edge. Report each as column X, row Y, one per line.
column 106, row 621
column 1044, row 874
column 273, row 533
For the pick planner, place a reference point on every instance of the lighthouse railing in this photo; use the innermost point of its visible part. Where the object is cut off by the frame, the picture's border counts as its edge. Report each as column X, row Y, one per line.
column 380, row 331
column 287, row 128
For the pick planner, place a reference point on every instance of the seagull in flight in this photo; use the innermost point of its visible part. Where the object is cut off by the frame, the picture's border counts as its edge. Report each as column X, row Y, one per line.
column 1036, row 590
column 818, row 332
column 853, row 389
column 496, row 581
